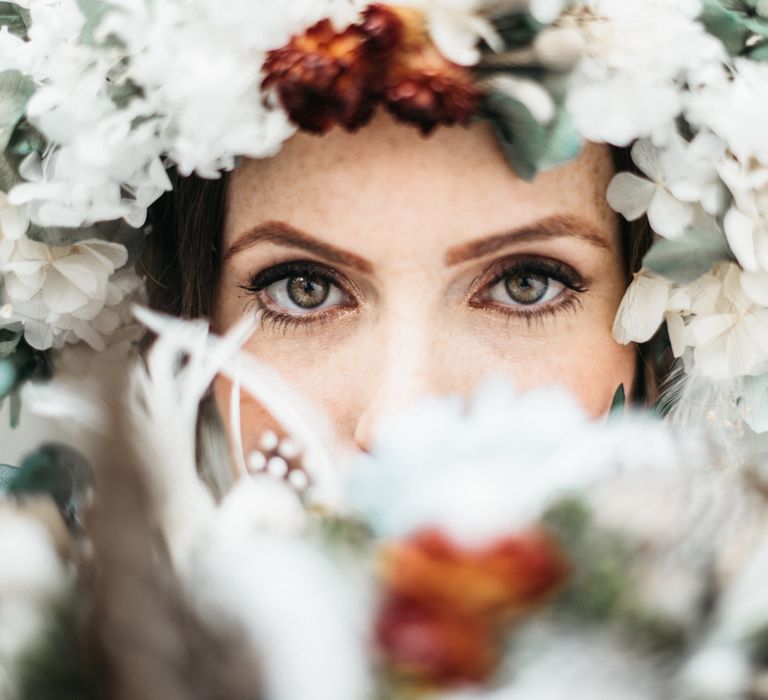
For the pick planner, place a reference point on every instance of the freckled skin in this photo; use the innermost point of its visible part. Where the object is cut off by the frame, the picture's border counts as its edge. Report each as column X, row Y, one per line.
column 400, row 200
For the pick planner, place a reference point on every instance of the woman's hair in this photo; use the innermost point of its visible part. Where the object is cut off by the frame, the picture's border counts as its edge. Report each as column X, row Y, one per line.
column 182, row 259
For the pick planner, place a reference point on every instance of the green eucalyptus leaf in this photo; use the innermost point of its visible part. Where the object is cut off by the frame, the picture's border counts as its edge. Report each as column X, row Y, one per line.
column 9, row 341
column 26, row 139
column 94, row 12
column 689, row 256
column 8, row 376
column 759, row 52
column 7, row 475
column 521, row 136
column 15, row 91
column 14, row 17
column 516, row 29
column 564, row 142
column 58, row 471
column 619, row 400
column 725, row 24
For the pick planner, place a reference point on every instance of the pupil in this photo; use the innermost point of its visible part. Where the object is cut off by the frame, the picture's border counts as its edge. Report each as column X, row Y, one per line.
column 528, row 288
column 308, row 292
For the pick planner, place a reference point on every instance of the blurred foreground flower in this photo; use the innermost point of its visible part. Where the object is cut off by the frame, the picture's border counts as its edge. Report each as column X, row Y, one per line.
column 446, row 606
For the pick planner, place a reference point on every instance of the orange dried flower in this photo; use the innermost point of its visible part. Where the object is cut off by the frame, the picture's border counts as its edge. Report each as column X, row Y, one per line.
column 324, row 77
column 514, row 574
column 434, row 645
column 422, row 86
column 445, row 605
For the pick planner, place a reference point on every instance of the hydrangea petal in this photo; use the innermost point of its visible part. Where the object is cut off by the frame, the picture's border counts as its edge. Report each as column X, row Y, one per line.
column 642, row 309
column 739, row 230
column 630, row 195
column 668, row 216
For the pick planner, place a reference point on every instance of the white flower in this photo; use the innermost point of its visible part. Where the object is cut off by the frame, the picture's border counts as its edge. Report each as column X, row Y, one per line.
column 459, row 467
column 640, row 56
column 14, row 220
column 720, row 318
column 633, row 196
column 736, row 110
column 642, row 309
column 746, row 223
column 58, row 292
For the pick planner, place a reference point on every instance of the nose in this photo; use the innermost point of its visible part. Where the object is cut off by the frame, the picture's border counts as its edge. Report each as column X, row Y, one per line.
column 404, row 370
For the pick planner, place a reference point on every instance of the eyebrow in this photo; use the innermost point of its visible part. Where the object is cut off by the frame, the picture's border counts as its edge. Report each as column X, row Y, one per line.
column 283, row 234
column 559, row 226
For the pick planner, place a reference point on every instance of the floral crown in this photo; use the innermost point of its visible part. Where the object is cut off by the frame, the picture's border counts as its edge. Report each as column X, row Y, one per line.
column 98, row 101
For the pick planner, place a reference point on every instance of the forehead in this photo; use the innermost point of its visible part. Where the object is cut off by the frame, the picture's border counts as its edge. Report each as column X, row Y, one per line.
column 388, row 184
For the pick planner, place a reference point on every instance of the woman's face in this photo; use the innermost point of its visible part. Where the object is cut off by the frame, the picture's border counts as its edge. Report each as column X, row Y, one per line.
column 390, row 266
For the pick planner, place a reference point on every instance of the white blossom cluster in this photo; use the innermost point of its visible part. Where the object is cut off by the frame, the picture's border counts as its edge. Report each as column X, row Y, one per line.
column 649, row 65
column 123, row 90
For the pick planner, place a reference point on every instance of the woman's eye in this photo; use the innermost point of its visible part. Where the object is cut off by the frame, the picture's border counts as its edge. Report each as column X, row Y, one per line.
column 525, row 288
column 304, row 293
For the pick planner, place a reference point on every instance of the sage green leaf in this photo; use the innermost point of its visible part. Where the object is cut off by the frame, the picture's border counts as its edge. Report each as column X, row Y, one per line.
column 14, row 17
column 759, row 52
column 689, row 256
column 619, row 400
column 725, row 25
column 7, row 475
column 15, row 91
column 94, row 12
column 9, row 341
column 8, row 377
column 26, row 139
column 564, row 142
column 58, row 471
column 516, row 29
column 521, row 136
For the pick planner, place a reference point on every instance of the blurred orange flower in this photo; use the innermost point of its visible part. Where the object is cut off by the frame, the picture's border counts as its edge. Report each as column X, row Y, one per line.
column 445, row 605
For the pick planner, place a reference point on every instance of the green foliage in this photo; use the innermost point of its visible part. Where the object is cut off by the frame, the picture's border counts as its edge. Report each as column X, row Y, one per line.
column 21, row 365
column 516, row 29
column 734, row 22
column 7, row 475
column 94, row 12
column 602, row 587
column 15, row 91
column 619, row 400
column 528, row 145
column 59, row 472
column 689, row 256
column 14, row 17
column 54, row 669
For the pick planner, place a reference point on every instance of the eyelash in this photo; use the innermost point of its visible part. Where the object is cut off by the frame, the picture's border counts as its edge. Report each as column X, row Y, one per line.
column 547, row 267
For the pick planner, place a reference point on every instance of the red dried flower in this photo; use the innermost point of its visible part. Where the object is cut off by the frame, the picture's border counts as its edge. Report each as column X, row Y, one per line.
column 514, row 574
column 433, row 645
column 324, row 77
column 422, row 86
column 444, row 604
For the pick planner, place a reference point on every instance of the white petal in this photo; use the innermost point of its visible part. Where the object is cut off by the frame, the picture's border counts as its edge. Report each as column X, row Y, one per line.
column 705, row 329
column 78, row 269
column 60, row 295
column 678, row 336
column 642, row 309
column 668, row 216
column 646, row 157
column 755, row 286
column 14, row 222
column 630, row 195
column 739, row 230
